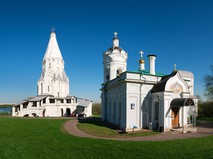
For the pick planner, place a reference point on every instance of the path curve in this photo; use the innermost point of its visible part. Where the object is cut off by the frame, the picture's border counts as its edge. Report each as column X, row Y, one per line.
column 70, row 126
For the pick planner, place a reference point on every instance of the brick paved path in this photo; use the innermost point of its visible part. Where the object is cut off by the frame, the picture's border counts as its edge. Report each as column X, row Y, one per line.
column 71, row 127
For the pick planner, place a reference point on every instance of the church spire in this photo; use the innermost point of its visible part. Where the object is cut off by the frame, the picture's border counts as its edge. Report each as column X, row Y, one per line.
column 53, row 50
column 115, row 40
column 141, row 61
column 53, row 78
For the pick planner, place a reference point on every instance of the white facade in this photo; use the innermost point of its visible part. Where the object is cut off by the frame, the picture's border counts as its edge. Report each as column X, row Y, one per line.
column 53, row 98
column 146, row 99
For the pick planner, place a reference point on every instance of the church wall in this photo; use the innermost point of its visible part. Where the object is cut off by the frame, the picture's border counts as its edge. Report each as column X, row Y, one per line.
column 114, row 105
column 167, row 117
column 145, row 105
column 104, row 105
column 133, row 106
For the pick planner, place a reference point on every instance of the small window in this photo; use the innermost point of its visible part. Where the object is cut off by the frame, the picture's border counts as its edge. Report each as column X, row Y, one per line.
column 25, row 105
column 52, row 100
column 68, row 100
column 34, row 104
column 107, row 77
column 42, row 88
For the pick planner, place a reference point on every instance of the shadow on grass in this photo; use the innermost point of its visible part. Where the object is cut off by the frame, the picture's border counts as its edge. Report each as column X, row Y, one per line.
column 98, row 122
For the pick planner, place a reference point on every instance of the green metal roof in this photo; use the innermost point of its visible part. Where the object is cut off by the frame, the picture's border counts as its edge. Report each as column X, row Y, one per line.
column 145, row 72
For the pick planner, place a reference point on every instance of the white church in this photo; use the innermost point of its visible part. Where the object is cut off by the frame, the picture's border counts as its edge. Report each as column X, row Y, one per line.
column 144, row 98
column 53, row 99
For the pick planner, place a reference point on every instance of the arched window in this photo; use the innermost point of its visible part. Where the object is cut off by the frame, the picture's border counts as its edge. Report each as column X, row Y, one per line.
column 157, row 111
column 42, row 88
column 107, row 75
column 118, row 72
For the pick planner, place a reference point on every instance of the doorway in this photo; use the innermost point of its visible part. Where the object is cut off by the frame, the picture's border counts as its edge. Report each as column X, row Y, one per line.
column 62, row 112
column 175, row 117
column 68, row 112
column 44, row 112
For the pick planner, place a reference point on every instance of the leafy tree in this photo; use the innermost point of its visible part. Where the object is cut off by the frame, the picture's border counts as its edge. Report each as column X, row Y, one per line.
column 208, row 79
column 96, row 109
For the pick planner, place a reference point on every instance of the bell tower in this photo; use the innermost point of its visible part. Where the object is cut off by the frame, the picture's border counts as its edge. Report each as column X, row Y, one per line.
column 114, row 60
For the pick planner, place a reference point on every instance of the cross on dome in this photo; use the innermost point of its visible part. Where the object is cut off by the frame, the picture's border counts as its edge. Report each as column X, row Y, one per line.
column 141, row 52
column 116, row 34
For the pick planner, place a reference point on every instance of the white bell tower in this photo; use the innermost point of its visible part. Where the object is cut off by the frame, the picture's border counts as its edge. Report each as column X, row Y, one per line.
column 114, row 60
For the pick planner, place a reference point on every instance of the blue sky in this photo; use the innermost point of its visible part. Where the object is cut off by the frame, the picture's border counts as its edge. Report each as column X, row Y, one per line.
column 178, row 32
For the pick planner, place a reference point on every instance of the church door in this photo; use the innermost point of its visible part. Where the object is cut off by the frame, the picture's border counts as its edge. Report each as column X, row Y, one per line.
column 175, row 117
column 68, row 112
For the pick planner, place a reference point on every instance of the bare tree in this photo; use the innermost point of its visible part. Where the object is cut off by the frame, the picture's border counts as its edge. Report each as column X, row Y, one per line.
column 208, row 79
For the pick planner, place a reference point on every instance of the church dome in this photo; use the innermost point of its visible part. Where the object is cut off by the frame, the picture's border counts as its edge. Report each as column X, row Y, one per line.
column 141, row 61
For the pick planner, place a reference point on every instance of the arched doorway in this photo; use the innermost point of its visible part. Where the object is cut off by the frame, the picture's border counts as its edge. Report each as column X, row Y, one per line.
column 175, row 117
column 34, row 114
column 43, row 113
column 68, row 112
column 176, row 105
column 62, row 112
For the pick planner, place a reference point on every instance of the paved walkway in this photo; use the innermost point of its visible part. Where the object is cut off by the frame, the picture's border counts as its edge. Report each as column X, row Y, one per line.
column 71, row 127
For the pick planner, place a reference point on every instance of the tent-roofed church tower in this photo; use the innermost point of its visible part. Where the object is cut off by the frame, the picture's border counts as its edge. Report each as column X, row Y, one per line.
column 53, row 78
column 114, row 60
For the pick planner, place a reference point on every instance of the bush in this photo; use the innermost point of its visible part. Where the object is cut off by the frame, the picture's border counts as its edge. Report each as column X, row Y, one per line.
column 96, row 109
column 205, row 108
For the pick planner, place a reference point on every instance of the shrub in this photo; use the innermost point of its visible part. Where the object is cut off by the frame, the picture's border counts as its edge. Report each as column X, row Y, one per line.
column 205, row 109
column 96, row 109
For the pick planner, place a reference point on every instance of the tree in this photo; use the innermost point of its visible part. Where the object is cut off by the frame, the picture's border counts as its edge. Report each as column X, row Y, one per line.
column 208, row 79
column 96, row 109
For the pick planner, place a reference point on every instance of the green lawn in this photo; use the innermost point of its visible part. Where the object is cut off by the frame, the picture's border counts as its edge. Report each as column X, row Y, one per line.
column 98, row 128
column 36, row 138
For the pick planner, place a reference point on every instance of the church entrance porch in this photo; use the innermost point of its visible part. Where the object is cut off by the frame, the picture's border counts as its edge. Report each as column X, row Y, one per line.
column 175, row 117
column 180, row 110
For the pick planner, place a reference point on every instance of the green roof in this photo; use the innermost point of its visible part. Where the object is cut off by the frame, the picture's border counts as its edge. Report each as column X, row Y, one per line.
column 145, row 72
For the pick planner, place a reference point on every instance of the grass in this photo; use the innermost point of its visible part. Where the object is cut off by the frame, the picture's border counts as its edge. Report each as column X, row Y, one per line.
column 99, row 128
column 39, row 138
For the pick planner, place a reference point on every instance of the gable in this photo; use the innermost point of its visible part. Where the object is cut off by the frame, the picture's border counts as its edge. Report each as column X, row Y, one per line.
column 176, row 84
column 173, row 82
